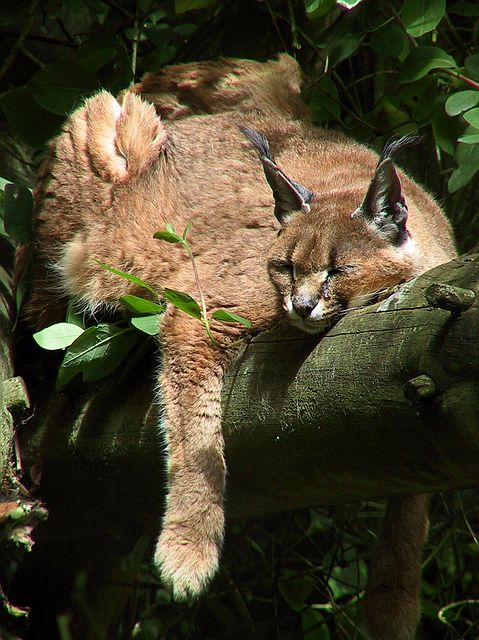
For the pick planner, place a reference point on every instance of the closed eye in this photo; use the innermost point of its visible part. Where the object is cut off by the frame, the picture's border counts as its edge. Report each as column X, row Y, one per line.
column 282, row 265
column 343, row 269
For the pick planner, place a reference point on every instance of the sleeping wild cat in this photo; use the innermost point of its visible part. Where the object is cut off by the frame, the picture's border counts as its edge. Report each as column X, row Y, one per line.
column 330, row 226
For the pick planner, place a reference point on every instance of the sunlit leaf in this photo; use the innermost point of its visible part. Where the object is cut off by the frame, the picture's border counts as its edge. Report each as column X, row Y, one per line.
column 130, row 278
column 461, row 101
column 183, row 302
column 57, row 336
column 423, row 60
column 147, row 324
column 227, row 316
column 168, row 236
column 472, row 117
column 140, row 306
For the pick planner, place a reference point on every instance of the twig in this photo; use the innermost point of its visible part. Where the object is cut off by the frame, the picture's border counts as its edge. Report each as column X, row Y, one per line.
column 460, row 76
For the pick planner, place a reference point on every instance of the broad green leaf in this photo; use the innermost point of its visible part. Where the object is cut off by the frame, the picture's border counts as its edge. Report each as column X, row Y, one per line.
column 390, row 40
column 94, row 344
column 423, row 60
column 59, row 100
column 27, row 119
column 168, row 236
column 348, row 4
column 130, row 278
column 461, row 101
column 467, row 157
column 18, row 206
column 345, row 581
column 296, row 588
column 147, row 324
column 324, row 101
column 182, row 6
column 421, row 16
column 469, row 138
column 57, row 336
column 183, row 302
column 74, row 317
column 96, row 353
column 314, row 625
column 472, row 117
column 446, row 129
column 226, row 316
column 141, row 306
column 472, row 65
column 318, row 8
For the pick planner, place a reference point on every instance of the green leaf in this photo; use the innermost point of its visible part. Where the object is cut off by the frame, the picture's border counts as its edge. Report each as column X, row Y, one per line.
column 390, row 40
column 57, row 336
column 446, row 129
column 423, row 60
column 186, row 231
column 461, row 101
column 27, row 119
column 467, row 157
column 469, row 138
column 472, row 117
column 18, row 206
column 421, row 16
column 318, row 8
column 314, row 625
column 141, row 306
column 168, row 236
column 324, row 101
column 130, row 278
column 346, row 581
column 226, row 316
column 183, row 302
column 348, row 4
column 74, row 317
column 96, row 353
column 59, row 100
column 147, row 324
column 296, row 588
column 472, row 65
column 182, row 6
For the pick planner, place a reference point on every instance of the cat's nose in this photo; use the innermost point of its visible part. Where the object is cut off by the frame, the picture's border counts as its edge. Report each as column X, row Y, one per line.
column 303, row 305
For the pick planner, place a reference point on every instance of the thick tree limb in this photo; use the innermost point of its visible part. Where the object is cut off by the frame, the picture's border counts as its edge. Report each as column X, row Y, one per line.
column 386, row 403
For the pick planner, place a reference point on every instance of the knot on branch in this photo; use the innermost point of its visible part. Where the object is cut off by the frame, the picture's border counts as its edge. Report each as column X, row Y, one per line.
column 420, row 388
column 449, row 297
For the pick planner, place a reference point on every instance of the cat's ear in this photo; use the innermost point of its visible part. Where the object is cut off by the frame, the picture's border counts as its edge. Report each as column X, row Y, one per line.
column 289, row 195
column 384, row 206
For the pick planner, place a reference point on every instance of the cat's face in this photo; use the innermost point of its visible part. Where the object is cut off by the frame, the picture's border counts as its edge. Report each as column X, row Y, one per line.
column 336, row 253
column 325, row 263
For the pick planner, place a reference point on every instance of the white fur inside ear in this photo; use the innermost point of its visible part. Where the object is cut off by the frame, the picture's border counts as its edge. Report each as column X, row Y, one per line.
column 409, row 247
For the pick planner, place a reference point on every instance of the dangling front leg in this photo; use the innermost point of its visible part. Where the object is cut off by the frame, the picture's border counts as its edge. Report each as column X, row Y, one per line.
column 190, row 542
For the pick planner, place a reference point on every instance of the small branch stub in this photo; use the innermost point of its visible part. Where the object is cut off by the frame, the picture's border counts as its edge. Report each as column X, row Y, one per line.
column 15, row 394
column 449, row 297
column 420, row 388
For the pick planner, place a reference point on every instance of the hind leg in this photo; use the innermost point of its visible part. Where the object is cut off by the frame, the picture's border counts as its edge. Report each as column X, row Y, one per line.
column 392, row 606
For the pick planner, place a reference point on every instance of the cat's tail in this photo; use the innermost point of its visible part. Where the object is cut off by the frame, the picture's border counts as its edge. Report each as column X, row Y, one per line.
column 268, row 88
column 102, row 148
column 392, row 604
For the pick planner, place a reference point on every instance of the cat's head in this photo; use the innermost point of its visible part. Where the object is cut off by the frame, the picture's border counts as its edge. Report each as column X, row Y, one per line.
column 333, row 256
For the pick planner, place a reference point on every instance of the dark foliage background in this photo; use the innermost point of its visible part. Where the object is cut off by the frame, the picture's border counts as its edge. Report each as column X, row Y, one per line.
column 374, row 69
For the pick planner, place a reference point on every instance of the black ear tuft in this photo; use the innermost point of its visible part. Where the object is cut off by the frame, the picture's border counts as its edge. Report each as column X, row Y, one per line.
column 384, row 206
column 392, row 146
column 289, row 195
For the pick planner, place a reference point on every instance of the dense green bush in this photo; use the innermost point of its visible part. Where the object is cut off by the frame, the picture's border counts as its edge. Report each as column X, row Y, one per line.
column 374, row 69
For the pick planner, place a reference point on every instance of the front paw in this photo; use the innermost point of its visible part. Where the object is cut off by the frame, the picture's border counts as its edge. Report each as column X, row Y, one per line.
column 187, row 561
